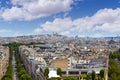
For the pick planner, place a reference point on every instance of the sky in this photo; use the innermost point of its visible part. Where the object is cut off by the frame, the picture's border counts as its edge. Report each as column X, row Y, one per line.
column 85, row 18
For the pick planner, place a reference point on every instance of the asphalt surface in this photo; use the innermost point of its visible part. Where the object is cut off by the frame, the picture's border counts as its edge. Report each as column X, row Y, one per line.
column 15, row 74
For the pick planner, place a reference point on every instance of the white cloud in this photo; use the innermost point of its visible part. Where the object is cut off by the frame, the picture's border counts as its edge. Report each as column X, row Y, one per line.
column 38, row 30
column 32, row 9
column 105, row 21
column 5, row 31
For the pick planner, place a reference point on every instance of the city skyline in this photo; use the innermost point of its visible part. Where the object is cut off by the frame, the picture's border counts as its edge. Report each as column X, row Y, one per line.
column 85, row 18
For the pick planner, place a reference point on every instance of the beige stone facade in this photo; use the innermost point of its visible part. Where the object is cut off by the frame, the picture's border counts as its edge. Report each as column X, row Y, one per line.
column 4, row 59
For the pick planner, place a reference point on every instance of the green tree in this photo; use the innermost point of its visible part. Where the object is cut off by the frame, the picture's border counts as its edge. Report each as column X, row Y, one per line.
column 83, row 76
column 46, row 72
column 103, row 74
column 93, row 75
column 7, row 77
column 88, row 77
column 25, row 77
column 114, row 69
column 21, row 72
column 113, row 76
column 59, row 71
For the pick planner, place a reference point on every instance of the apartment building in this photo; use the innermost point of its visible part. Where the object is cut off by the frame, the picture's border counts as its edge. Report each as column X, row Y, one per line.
column 4, row 58
column 33, row 62
column 72, row 59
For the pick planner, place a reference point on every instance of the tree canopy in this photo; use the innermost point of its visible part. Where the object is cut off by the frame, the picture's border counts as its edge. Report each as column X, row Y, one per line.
column 46, row 72
column 59, row 71
column 93, row 75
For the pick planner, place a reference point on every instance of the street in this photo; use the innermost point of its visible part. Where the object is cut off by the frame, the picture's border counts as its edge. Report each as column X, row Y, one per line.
column 15, row 75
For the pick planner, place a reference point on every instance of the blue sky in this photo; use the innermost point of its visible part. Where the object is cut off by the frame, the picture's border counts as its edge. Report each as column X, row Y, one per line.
column 93, row 18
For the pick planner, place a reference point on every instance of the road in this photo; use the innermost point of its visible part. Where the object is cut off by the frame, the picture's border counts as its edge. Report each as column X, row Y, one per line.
column 15, row 76
column 107, row 69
